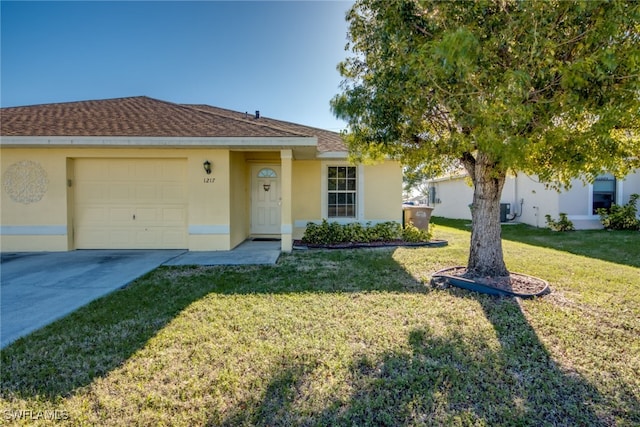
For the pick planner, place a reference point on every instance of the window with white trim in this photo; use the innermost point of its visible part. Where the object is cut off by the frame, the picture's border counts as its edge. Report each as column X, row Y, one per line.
column 341, row 191
column 604, row 192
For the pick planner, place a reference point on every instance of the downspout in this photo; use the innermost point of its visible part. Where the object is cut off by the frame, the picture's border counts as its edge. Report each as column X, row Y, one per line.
column 515, row 197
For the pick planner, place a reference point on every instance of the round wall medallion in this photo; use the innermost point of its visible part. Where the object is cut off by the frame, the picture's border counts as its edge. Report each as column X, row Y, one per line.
column 25, row 181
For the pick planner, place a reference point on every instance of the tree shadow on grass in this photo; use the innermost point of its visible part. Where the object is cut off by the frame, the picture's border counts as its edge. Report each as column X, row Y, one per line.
column 439, row 379
column 56, row 360
column 443, row 380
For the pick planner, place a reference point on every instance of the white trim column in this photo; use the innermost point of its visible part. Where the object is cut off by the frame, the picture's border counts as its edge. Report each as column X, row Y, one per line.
column 286, row 227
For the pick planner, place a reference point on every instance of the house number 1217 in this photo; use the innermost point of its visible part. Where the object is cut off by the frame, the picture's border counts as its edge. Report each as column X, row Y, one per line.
column 209, row 180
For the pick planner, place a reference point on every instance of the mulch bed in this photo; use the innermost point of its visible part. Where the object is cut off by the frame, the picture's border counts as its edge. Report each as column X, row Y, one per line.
column 299, row 244
column 515, row 284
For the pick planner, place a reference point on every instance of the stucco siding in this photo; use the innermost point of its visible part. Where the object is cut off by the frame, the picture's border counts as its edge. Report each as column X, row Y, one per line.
column 537, row 201
column 453, row 197
column 217, row 211
column 630, row 185
column 209, row 200
column 531, row 200
column 39, row 216
column 528, row 199
column 42, row 198
column 239, row 181
column 383, row 192
column 306, row 197
column 575, row 201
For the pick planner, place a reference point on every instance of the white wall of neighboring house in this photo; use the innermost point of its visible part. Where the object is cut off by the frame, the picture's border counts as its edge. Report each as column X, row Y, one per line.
column 531, row 200
column 631, row 185
column 452, row 197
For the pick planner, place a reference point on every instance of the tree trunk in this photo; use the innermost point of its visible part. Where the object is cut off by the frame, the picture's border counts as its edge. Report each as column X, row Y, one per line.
column 485, row 256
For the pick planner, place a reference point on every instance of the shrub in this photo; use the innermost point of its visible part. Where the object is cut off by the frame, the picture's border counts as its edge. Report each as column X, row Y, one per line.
column 562, row 224
column 621, row 217
column 327, row 233
column 321, row 234
column 385, row 231
column 354, row 232
column 414, row 235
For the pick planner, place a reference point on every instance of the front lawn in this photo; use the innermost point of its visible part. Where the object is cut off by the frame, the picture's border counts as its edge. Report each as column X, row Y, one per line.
column 346, row 338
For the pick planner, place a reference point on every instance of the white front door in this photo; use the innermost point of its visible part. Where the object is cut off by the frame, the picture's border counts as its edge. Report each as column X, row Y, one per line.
column 265, row 199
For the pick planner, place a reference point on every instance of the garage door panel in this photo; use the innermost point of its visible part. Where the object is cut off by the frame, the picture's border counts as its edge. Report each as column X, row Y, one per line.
column 131, row 204
column 170, row 237
column 173, row 216
column 102, row 237
column 171, row 192
column 119, row 215
column 91, row 169
column 172, row 169
column 119, row 238
column 149, row 216
column 121, row 171
column 120, row 192
column 147, row 192
column 91, row 191
column 96, row 215
column 146, row 171
column 147, row 237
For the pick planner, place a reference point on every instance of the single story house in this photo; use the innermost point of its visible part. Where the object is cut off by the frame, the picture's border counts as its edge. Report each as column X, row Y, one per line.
column 526, row 200
column 140, row 173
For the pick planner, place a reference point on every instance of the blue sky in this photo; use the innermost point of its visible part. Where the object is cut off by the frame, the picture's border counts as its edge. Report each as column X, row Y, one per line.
column 276, row 57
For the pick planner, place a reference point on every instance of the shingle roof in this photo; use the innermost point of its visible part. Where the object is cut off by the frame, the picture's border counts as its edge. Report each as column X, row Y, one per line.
column 143, row 116
column 329, row 141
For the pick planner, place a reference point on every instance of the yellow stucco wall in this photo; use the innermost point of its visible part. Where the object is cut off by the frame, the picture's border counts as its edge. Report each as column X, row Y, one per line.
column 306, row 187
column 39, row 210
column 218, row 205
column 45, row 224
column 209, row 201
column 379, row 192
column 239, row 179
column 383, row 192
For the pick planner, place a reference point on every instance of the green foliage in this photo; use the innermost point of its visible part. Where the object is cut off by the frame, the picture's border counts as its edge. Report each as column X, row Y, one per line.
column 324, row 233
column 348, row 338
column 385, row 231
column 621, row 217
column 562, row 224
column 545, row 88
column 414, row 235
column 327, row 233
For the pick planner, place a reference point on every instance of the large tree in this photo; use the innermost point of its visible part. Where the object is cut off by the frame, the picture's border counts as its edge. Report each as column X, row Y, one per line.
column 549, row 88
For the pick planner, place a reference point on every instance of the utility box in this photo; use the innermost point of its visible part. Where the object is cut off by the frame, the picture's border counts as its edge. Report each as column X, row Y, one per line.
column 505, row 209
column 419, row 216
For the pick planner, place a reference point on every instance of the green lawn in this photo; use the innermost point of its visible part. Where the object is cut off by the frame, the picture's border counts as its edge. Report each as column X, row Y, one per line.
column 349, row 338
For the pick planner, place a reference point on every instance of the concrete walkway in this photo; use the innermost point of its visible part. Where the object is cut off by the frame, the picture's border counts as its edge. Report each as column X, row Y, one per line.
column 37, row 288
column 249, row 252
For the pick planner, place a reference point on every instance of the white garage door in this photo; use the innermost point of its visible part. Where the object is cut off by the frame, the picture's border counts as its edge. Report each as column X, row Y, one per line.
column 130, row 204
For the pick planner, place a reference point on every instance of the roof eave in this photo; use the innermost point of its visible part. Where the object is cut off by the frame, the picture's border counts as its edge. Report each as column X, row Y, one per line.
column 333, row 155
column 159, row 142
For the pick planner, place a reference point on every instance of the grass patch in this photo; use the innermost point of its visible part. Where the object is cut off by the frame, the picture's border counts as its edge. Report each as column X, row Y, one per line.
column 622, row 247
column 344, row 338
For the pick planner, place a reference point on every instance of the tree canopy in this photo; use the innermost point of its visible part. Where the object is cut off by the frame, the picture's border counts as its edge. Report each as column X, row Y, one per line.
column 547, row 88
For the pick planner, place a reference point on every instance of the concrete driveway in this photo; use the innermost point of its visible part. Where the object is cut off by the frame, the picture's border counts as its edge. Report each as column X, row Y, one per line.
column 37, row 288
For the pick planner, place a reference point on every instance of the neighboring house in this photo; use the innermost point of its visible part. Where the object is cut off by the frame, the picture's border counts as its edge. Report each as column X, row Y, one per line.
column 142, row 173
column 528, row 201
